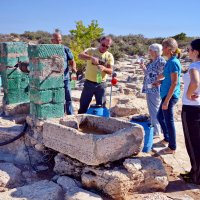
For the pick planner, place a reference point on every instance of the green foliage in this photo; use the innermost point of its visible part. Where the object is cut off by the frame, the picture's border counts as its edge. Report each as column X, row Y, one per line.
column 83, row 37
column 115, row 50
column 15, row 35
column 87, row 36
column 38, row 35
column 129, row 44
column 181, row 36
column 44, row 41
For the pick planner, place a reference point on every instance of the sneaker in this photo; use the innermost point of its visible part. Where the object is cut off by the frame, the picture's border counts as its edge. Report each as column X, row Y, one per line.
column 167, row 151
column 156, row 136
column 186, row 174
column 164, row 142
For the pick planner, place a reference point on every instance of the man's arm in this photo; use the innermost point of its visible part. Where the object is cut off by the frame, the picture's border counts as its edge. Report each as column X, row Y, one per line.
column 72, row 63
column 85, row 56
column 108, row 69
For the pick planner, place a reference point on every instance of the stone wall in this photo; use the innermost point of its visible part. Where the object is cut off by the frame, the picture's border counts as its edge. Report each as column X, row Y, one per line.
column 46, row 80
column 14, row 82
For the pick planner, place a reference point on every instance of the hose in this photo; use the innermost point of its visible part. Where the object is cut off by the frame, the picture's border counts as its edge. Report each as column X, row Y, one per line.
column 17, row 137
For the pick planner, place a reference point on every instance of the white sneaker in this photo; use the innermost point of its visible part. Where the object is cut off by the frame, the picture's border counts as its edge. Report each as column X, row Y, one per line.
column 156, row 136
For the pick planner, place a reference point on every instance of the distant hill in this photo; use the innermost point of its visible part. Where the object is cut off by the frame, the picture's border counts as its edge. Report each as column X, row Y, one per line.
column 123, row 45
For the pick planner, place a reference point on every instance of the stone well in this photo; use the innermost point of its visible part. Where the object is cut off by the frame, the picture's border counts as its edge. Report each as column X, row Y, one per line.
column 93, row 140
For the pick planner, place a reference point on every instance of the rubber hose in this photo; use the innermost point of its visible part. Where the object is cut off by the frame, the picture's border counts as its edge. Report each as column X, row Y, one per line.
column 17, row 137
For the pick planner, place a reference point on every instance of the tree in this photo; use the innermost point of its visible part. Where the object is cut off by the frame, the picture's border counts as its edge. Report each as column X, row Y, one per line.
column 84, row 37
column 181, row 36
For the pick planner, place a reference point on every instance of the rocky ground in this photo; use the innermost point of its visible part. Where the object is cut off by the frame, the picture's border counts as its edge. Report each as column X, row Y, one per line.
column 19, row 181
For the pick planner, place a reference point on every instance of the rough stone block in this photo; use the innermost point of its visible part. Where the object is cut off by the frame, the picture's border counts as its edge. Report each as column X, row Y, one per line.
column 12, row 84
column 12, row 52
column 11, row 62
column 16, row 109
column 46, row 66
column 107, row 139
column 40, row 96
column 41, row 190
column 16, row 96
column 45, row 111
column 24, row 81
column 12, row 73
column 140, row 175
column 74, row 192
column 47, row 83
column 45, row 50
column 16, row 83
column 13, row 47
column 10, row 175
column 58, row 95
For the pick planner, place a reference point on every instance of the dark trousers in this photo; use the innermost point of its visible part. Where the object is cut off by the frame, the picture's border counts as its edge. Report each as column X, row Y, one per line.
column 68, row 99
column 166, row 120
column 191, row 128
column 90, row 89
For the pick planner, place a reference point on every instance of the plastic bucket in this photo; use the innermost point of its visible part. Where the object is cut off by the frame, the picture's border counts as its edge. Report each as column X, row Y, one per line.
column 99, row 111
column 148, row 137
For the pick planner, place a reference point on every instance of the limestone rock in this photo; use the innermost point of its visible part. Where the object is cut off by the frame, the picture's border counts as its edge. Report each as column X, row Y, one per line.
column 74, row 192
column 155, row 177
column 65, row 165
column 154, row 196
column 107, row 139
column 11, row 152
column 142, row 174
column 41, row 190
column 121, row 110
column 14, row 109
column 10, row 176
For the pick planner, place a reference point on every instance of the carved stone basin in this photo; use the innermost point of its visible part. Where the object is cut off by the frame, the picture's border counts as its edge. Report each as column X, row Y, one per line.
column 93, row 140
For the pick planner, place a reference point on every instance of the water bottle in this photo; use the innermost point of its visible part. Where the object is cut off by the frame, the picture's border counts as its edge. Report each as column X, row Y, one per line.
column 73, row 81
column 99, row 76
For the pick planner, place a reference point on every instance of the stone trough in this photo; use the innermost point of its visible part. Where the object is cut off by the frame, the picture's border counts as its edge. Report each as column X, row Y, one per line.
column 93, row 140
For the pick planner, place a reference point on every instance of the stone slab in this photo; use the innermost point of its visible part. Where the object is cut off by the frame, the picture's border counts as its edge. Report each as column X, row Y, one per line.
column 15, row 109
column 42, row 190
column 119, row 139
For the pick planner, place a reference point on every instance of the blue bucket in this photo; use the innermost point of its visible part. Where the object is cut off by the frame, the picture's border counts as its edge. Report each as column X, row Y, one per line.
column 98, row 110
column 148, row 137
column 0, row 82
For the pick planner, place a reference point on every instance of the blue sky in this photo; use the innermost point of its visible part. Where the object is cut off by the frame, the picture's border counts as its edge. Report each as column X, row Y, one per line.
column 152, row 18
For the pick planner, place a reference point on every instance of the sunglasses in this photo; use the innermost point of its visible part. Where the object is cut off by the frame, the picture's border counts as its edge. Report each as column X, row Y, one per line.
column 105, row 46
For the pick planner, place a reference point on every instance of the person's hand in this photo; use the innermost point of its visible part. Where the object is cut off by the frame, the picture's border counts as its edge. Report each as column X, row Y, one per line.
column 193, row 97
column 74, row 70
column 94, row 60
column 156, row 83
column 100, row 67
column 165, row 105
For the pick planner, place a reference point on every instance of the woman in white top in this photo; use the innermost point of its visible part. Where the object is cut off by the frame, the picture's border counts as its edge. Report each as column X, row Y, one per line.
column 191, row 112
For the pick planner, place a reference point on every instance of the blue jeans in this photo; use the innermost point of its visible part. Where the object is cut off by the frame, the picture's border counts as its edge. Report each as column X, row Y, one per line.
column 153, row 103
column 68, row 99
column 166, row 120
column 90, row 89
